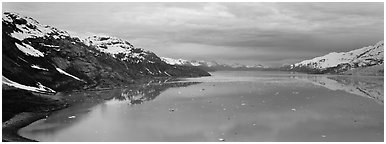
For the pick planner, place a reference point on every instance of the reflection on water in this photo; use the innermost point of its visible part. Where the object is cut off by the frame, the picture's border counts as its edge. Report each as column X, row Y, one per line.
column 140, row 94
column 369, row 87
column 136, row 94
column 229, row 106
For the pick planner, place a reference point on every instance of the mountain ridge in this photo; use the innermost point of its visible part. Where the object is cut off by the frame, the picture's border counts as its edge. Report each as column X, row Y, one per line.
column 342, row 62
column 37, row 55
column 211, row 65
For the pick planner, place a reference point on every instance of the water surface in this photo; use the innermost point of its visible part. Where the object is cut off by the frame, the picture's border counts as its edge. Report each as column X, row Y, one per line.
column 228, row 106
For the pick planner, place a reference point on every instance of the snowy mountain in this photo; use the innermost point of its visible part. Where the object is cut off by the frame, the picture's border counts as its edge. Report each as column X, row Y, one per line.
column 42, row 58
column 341, row 62
column 26, row 27
column 211, row 65
column 172, row 61
column 117, row 48
column 176, row 61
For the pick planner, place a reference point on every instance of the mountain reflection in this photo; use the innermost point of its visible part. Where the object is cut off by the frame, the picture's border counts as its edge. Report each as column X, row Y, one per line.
column 369, row 87
column 141, row 93
column 134, row 94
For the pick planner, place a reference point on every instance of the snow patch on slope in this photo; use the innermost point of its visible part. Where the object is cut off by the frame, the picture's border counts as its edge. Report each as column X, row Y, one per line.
column 40, row 88
column 29, row 50
column 65, row 73
column 37, row 67
column 54, row 46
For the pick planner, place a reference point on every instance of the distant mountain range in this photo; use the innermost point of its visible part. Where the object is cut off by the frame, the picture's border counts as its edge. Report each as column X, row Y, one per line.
column 42, row 58
column 362, row 61
column 211, row 65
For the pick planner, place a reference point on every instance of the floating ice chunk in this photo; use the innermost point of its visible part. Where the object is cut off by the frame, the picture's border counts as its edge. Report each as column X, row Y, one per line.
column 171, row 110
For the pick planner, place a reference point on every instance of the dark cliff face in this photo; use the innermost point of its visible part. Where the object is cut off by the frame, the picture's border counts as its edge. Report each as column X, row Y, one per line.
column 38, row 55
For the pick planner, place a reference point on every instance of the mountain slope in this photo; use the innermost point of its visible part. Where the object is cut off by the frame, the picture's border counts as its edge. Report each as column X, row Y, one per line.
column 46, row 58
column 339, row 63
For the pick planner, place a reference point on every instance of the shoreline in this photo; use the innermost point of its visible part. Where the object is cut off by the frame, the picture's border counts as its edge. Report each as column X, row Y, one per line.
column 46, row 106
column 13, row 125
column 43, row 105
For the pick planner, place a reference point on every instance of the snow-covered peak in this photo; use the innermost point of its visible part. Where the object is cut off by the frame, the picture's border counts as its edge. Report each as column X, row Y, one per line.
column 107, row 41
column 198, row 63
column 174, row 61
column 236, row 65
column 255, row 66
column 26, row 27
column 212, row 64
column 116, row 47
column 361, row 57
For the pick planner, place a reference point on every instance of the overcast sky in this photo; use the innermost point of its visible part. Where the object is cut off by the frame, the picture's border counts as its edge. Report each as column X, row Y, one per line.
column 271, row 34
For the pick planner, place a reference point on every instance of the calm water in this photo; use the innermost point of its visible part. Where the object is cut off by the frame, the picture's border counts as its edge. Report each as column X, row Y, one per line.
column 229, row 106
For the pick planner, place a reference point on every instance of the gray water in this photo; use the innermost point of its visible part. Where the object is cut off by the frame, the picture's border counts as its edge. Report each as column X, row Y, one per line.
column 228, row 106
